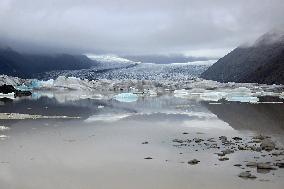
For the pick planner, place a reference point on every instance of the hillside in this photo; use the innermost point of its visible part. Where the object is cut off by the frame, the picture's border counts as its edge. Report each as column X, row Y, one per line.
column 262, row 62
column 26, row 65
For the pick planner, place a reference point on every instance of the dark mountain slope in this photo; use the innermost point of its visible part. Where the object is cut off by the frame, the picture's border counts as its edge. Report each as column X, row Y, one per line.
column 261, row 62
column 26, row 65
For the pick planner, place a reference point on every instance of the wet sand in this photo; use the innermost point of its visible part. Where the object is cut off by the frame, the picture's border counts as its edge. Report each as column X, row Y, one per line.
column 138, row 148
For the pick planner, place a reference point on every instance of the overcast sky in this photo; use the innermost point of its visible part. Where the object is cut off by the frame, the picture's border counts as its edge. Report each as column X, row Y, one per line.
column 192, row 27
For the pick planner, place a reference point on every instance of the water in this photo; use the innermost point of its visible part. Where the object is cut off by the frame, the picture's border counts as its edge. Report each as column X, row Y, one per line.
column 103, row 149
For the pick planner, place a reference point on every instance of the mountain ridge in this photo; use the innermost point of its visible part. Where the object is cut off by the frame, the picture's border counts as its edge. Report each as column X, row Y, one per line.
column 262, row 62
column 26, row 65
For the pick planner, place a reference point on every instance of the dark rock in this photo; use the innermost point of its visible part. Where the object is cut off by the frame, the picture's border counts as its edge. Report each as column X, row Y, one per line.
column 23, row 93
column 5, row 89
column 178, row 141
column 280, row 164
column 237, row 138
column 193, row 162
column 237, row 165
column 223, row 159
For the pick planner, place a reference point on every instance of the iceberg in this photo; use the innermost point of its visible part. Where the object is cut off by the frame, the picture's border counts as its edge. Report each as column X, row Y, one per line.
column 9, row 95
column 180, row 93
column 213, row 96
column 126, row 97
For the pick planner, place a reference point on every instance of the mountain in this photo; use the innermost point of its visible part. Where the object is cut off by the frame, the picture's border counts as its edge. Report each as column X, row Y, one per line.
column 261, row 62
column 26, row 65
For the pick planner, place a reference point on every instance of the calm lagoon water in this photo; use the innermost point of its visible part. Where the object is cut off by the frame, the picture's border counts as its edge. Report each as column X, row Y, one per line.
column 103, row 149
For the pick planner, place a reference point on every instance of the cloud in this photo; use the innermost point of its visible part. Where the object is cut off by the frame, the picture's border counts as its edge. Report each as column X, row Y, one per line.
column 136, row 27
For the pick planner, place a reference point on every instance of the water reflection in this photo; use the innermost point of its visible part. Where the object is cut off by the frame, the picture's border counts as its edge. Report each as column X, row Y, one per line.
column 261, row 118
column 89, row 152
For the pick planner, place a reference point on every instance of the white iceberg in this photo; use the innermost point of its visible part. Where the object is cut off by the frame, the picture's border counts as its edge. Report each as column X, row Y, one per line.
column 213, row 96
column 9, row 95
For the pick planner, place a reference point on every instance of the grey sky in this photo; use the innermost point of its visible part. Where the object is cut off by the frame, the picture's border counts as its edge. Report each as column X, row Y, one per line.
column 193, row 27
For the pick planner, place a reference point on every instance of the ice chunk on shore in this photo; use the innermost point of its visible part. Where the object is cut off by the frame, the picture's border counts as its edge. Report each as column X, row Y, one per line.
column 126, row 97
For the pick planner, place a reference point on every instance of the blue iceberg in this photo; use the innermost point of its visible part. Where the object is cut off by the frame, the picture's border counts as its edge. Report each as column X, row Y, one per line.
column 126, row 97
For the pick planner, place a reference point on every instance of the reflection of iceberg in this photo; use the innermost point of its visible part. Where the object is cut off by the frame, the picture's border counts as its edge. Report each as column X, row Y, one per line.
column 250, row 99
column 282, row 95
column 65, row 96
column 126, row 97
column 241, row 94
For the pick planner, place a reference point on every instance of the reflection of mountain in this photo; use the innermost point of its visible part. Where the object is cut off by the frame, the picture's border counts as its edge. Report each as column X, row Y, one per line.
column 267, row 118
column 44, row 106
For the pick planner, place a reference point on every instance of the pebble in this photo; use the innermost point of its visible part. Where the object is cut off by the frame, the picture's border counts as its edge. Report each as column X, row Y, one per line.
column 237, row 165
column 251, row 164
column 265, row 166
column 280, row 164
column 223, row 159
column 237, row 138
column 193, row 162
column 267, row 145
column 247, row 175
column 178, row 141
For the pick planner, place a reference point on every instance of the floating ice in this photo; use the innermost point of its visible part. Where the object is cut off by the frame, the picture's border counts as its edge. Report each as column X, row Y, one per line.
column 126, row 97
column 9, row 95
column 213, row 96
column 107, row 117
column 3, row 128
column 3, row 137
column 180, row 93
